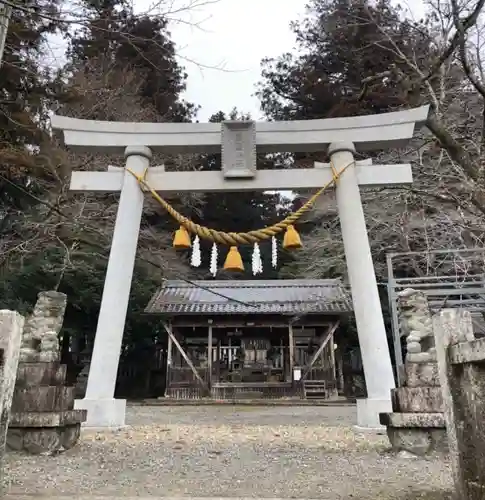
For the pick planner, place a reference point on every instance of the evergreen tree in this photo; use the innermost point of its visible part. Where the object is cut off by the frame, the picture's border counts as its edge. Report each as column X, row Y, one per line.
column 26, row 177
column 26, row 92
column 119, row 40
column 339, row 49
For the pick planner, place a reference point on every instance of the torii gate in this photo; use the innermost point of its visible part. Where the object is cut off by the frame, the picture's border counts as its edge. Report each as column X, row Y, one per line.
column 239, row 142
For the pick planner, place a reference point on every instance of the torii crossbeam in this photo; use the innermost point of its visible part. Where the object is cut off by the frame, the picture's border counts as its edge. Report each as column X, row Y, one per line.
column 239, row 142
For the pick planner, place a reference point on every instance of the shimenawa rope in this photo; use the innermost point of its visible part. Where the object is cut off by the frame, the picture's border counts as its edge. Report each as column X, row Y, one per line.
column 234, row 239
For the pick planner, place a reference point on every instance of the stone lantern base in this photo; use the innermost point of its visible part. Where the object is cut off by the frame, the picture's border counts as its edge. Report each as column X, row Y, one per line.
column 43, row 419
column 417, row 423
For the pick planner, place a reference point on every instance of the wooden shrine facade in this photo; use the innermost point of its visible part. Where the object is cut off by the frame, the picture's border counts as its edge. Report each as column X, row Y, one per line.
column 252, row 339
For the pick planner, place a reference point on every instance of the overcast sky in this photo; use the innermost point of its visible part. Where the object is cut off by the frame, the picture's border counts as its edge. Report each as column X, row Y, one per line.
column 234, row 37
column 222, row 56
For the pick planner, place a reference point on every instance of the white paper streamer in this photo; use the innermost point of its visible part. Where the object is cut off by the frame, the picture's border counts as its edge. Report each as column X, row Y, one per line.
column 274, row 252
column 257, row 263
column 213, row 265
column 196, row 258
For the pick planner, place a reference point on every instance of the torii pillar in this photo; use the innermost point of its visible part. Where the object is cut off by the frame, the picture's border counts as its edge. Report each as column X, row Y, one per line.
column 103, row 409
column 379, row 376
column 239, row 142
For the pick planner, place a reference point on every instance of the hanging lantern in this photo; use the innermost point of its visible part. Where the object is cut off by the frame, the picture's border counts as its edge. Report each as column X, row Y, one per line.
column 291, row 240
column 233, row 260
column 181, row 240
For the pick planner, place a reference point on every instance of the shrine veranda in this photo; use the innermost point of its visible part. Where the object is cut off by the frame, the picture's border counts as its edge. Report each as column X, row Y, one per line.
column 239, row 142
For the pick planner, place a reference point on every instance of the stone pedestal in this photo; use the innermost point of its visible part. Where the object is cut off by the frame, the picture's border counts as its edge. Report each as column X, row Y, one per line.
column 417, row 424
column 43, row 419
column 103, row 413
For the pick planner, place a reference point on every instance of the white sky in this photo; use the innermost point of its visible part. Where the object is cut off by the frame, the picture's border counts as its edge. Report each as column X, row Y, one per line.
column 234, row 36
column 222, row 55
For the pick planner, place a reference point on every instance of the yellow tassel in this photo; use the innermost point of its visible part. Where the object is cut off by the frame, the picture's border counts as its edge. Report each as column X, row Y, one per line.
column 233, row 260
column 181, row 240
column 291, row 240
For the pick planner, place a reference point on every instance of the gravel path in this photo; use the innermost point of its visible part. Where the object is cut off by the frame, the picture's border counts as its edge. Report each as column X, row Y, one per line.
column 265, row 452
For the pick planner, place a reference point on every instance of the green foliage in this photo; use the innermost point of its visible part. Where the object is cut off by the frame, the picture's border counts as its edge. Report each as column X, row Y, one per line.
column 82, row 280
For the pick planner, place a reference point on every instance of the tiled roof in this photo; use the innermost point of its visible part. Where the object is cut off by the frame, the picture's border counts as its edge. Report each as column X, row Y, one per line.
column 251, row 297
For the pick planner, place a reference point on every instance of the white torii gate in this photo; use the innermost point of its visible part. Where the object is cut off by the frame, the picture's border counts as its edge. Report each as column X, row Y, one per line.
column 239, row 142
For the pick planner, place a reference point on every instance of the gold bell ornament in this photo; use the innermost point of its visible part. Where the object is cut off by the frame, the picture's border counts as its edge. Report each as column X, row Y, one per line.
column 233, row 260
column 181, row 240
column 291, row 240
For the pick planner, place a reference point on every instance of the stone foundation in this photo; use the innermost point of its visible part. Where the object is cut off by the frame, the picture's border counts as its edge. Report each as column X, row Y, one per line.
column 421, row 375
column 417, row 433
column 43, row 419
column 417, row 423
column 417, row 400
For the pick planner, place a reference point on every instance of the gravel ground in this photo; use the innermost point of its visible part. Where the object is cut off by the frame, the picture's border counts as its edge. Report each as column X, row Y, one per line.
column 265, row 452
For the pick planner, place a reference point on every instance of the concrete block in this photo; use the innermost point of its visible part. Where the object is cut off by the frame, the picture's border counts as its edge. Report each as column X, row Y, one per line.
column 368, row 411
column 103, row 412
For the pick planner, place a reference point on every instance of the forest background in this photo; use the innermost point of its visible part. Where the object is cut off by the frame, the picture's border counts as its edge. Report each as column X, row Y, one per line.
column 354, row 57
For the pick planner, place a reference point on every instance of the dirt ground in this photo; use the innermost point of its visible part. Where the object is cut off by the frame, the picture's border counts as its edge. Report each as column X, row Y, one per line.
column 225, row 451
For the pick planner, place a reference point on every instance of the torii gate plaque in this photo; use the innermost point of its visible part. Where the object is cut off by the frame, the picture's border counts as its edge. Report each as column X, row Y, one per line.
column 340, row 136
